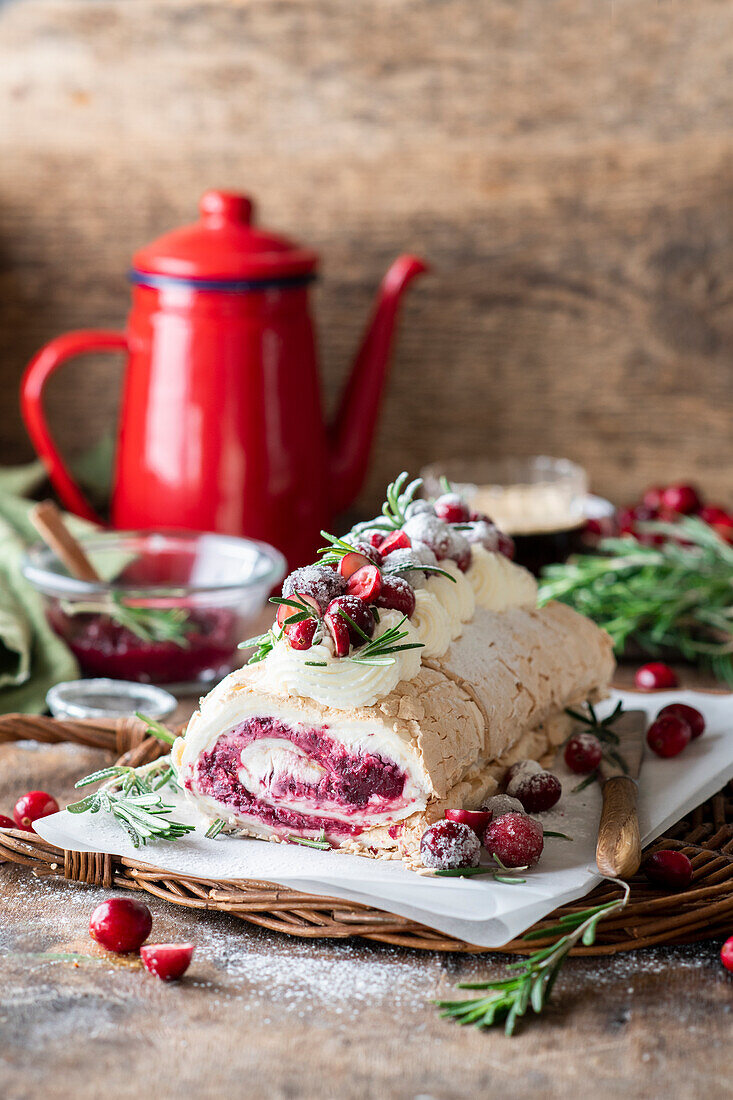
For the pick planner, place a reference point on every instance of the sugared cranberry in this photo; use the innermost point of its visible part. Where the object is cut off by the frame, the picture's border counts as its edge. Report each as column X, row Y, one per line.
column 726, row 954
column 351, row 563
column 32, row 806
column 7, row 822
column 398, row 595
column 460, row 551
column 168, row 961
column 681, row 499
column 515, row 839
column 121, row 924
column 538, row 792
column 354, row 614
column 505, row 545
column 480, row 517
column 366, row 583
column 583, row 753
column 670, row 869
column 448, row 845
column 300, row 635
column 655, row 676
column 339, row 631
column 463, row 559
column 373, row 538
column 500, row 804
column 475, row 819
column 430, row 531
column 451, row 509
column 669, row 735
column 519, row 771
column 652, row 498
column 484, row 533
column 694, row 719
column 287, row 611
column 318, row 581
column 398, row 540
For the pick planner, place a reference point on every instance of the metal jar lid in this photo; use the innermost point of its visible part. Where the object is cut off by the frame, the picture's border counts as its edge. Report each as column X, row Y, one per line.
column 104, row 698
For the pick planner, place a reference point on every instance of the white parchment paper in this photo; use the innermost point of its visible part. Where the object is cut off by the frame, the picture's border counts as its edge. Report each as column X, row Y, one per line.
column 478, row 911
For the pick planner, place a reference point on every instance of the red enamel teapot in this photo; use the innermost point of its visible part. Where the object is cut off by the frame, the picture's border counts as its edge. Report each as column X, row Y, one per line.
column 221, row 426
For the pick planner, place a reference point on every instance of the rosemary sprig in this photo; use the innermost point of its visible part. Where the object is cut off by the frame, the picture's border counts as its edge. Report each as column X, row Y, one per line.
column 156, row 729
column 531, row 979
column 215, row 828
column 301, row 609
column 338, row 549
column 600, row 728
column 132, row 796
column 504, row 874
column 321, row 842
column 407, row 567
column 399, row 495
column 677, row 597
column 381, row 650
column 149, row 624
column 264, row 645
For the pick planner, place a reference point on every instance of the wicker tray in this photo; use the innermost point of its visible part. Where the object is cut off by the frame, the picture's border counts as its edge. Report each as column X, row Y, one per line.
column 702, row 911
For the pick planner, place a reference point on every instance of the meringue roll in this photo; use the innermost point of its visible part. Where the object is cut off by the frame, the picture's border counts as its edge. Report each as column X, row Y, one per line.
column 367, row 766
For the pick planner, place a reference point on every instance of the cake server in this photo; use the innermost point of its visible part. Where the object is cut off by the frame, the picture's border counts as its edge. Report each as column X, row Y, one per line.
column 618, row 852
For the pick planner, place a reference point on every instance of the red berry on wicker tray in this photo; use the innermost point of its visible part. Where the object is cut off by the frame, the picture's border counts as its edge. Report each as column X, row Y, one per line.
column 656, row 676
column 32, row 806
column 669, row 735
column 448, row 845
column 121, row 924
column 168, row 961
column 694, row 719
column 668, row 868
column 538, row 791
column 515, row 839
column 583, row 753
column 475, row 819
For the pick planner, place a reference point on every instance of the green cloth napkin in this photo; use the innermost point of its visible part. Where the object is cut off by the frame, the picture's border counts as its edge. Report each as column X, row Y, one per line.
column 32, row 657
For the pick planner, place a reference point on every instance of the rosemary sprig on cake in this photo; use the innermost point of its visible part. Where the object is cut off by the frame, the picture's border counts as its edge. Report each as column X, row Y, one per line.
column 531, row 980
column 381, row 650
column 676, row 597
column 399, row 495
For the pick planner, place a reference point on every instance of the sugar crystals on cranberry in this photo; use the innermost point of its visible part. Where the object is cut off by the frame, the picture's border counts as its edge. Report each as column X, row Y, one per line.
column 318, row 581
column 354, row 615
column 397, row 594
column 451, row 508
column 515, row 839
column 448, row 845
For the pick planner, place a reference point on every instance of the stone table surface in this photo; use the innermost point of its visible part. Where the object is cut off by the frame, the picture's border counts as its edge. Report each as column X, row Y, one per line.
column 263, row 1015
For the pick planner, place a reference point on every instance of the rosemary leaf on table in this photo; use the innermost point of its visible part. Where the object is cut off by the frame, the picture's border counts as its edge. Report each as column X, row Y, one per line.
column 530, row 980
column 676, row 597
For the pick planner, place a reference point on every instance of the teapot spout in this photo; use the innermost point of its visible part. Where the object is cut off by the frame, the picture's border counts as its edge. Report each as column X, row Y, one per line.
column 353, row 429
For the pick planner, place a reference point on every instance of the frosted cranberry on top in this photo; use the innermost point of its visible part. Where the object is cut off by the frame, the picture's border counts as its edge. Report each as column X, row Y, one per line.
column 352, row 613
column 397, row 540
column 451, row 508
column 366, row 583
column 397, row 594
column 318, row 581
column 484, row 533
column 429, row 531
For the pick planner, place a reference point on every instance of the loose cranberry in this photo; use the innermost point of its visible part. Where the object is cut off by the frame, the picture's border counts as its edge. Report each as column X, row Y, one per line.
column 694, row 719
column 506, row 545
column 655, row 676
column 713, row 513
column 31, row 807
column 300, row 635
column 168, row 961
column 7, row 822
column 583, row 753
column 725, row 528
column 366, row 583
column 398, row 540
column 681, row 499
column 500, row 804
column 121, row 924
column 538, row 792
column 669, row 735
column 519, row 771
column 350, row 563
column 652, row 498
column 475, row 819
column 359, row 614
column 726, row 954
column 626, row 521
column 451, row 509
column 448, row 845
column 397, row 594
column 517, row 840
column 317, row 581
column 668, row 868
column 287, row 611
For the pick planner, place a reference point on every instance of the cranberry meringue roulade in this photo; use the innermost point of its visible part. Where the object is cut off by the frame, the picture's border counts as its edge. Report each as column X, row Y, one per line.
column 278, row 765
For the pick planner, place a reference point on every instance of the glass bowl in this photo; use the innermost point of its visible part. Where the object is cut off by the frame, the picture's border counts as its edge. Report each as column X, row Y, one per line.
column 172, row 607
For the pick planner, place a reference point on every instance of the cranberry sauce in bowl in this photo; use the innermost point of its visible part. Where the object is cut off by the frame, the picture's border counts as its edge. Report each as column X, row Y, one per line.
column 294, row 779
column 171, row 610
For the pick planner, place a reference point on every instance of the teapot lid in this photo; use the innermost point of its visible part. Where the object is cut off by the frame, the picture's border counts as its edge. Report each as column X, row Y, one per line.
column 223, row 245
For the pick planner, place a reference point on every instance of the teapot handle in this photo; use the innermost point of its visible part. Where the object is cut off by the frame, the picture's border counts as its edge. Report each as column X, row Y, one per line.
column 37, row 373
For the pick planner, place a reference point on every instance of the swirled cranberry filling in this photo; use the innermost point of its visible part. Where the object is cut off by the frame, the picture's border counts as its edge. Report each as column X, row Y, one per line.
column 294, row 780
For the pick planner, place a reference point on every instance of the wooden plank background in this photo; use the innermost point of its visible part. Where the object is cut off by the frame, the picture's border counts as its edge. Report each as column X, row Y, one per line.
column 565, row 166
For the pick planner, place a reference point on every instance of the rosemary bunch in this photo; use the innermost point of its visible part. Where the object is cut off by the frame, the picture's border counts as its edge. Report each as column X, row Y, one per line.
column 399, row 495
column 149, row 624
column 674, row 597
column 531, row 980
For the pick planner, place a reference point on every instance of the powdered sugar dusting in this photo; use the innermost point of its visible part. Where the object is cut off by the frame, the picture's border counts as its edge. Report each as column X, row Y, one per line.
column 318, row 581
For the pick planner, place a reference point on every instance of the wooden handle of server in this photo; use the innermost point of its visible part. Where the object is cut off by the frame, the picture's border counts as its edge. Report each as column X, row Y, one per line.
column 618, row 852
column 49, row 522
